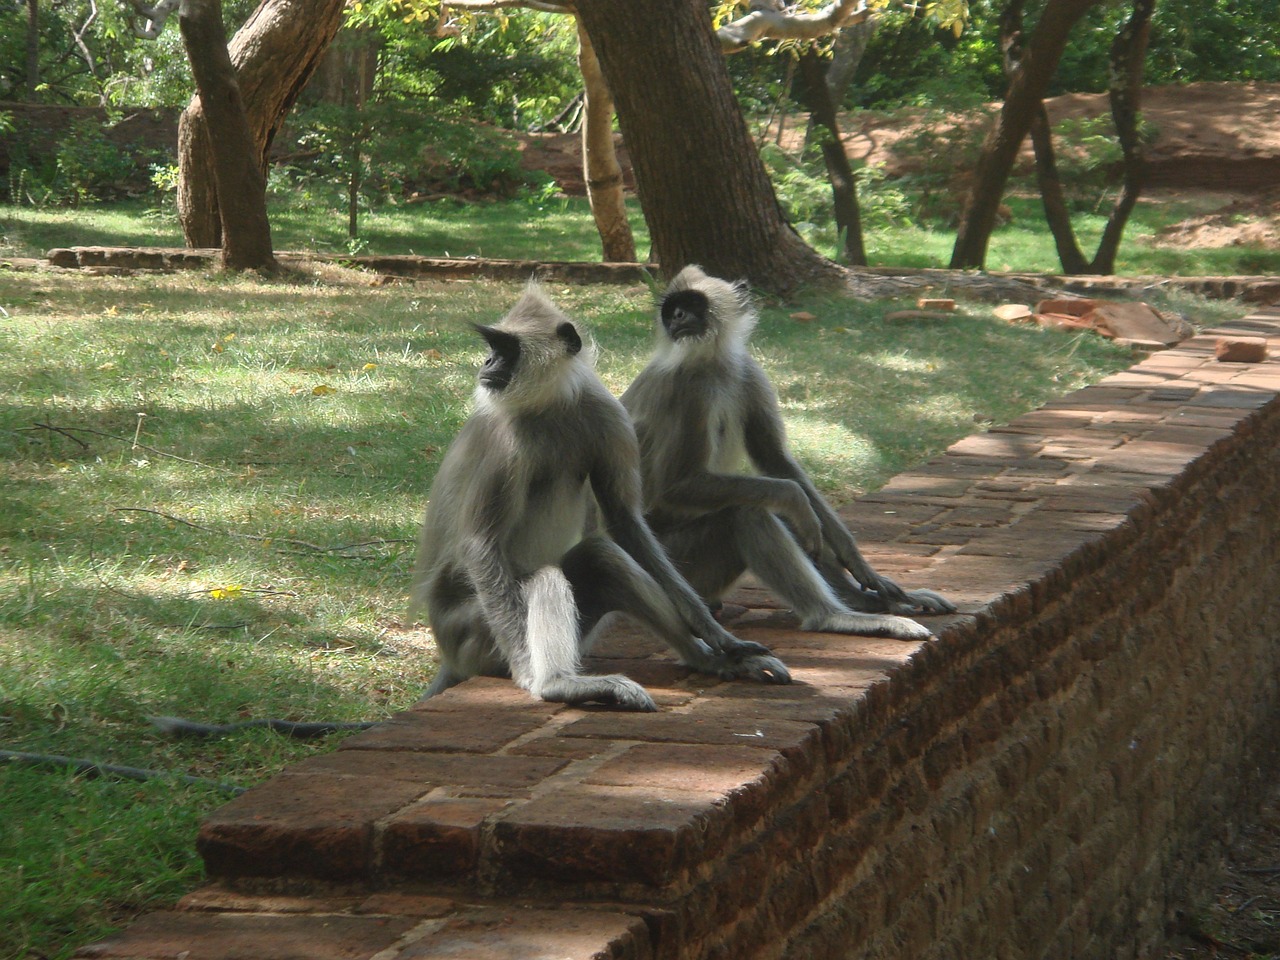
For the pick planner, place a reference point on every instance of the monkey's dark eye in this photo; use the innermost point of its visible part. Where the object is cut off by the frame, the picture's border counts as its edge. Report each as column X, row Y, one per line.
column 684, row 313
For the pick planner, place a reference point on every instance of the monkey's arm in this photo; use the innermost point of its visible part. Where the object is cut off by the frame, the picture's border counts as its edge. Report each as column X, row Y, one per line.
column 680, row 483
column 709, row 648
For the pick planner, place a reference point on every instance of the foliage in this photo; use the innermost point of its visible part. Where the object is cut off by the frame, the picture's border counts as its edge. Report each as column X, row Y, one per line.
column 82, row 166
column 804, row 191
column 410, row 153
column 1191, row 40
column 514, row 70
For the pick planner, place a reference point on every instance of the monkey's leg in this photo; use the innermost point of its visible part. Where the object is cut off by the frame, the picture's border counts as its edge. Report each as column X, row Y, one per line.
column 775, row 557
column 709, row 560
column 606, row 578
column 549, row 668
column 465, row 643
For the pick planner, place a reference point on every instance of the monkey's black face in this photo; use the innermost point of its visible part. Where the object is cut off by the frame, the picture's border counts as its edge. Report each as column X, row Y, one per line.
column 684, row 314
column 504, row 353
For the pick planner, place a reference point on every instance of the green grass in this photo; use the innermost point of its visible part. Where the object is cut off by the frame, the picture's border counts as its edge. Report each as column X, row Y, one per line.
column 298, row 423
column 561, row 228
column 509, row 229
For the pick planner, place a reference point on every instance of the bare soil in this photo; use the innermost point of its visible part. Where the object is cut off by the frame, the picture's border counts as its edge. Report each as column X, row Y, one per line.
column 1241, row 918
column 1217, row 142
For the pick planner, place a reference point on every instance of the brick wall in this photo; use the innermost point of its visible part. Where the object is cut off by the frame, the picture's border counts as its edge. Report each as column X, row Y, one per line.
column 1045, row 779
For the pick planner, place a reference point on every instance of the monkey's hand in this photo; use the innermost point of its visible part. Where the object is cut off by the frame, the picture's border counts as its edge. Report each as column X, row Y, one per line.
column 921, row 602
column 730, row 658
column 801, row 518
column 723, row 642
column 910, row 603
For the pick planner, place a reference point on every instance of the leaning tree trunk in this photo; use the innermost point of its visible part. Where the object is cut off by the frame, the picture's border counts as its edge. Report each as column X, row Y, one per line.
column 1052, row 197
column 1026, row 90
column 1128, row 51
column 826, row 129
column 246, row 233
column 33, row 50
column 704, row 190
column 846, row 56
column 601, row 169
column 274, row 54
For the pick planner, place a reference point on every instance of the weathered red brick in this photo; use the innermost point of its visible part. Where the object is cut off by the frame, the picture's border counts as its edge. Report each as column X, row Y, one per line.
column 304, row 825
column 1240, row 349
column 520, row 932
column 232, row 936
column 485, row 775
column 617, row 834
column 443, row 727
column 437, row 838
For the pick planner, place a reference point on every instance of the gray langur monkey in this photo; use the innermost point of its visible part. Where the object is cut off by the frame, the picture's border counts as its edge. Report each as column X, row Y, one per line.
column 703, row 409
column 511, row 585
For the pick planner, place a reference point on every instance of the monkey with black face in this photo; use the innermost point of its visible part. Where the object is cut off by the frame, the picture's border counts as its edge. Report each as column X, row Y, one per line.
column 703, row 409
column 510, row 584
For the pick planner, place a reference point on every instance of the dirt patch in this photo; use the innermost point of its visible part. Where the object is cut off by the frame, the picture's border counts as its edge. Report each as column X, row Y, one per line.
column 1242, row 917
column 1235, row 220
column 1216, row 140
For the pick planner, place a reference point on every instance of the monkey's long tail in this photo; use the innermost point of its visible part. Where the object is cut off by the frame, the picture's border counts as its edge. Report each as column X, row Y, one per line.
column 178, row 727
column 92, row 768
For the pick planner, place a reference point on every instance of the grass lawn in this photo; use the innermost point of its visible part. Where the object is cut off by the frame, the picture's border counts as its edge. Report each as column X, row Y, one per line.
column 209, row 488
column 561, row 228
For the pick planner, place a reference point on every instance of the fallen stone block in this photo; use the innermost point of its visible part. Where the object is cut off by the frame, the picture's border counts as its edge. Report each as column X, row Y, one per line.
column 1013, row 312
column 1067, row 306
column 1240, row 349
column 1127, row 322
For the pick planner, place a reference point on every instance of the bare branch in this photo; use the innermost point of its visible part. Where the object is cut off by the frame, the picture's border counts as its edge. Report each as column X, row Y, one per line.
column 770, row 24
column 485, row 6
column 153, row 17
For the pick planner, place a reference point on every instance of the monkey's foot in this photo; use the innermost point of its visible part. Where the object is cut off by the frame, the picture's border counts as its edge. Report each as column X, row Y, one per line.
column 613, row 689
column 868, row 625
column 764, row 668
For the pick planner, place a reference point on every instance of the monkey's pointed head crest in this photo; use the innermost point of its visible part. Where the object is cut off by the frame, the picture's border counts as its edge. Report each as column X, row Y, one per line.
column 536, row 354
column 698, row 309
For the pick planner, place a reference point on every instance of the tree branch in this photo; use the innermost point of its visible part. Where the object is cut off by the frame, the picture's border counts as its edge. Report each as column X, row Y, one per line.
column 484, row 6
column 763, row 24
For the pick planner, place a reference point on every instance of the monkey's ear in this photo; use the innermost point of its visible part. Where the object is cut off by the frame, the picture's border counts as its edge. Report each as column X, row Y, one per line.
column 569, row 334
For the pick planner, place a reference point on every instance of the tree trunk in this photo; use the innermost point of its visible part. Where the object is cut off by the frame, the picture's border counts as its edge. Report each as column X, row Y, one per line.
column 704, row 190
column 846, row 56
column 1027, row 87
column 1128, row 52
column 274, row 55
column 844, row 188
column 237, row 174
column 1052, row 197
column 33, row 49
column 601, row 169
column 1056, row 212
